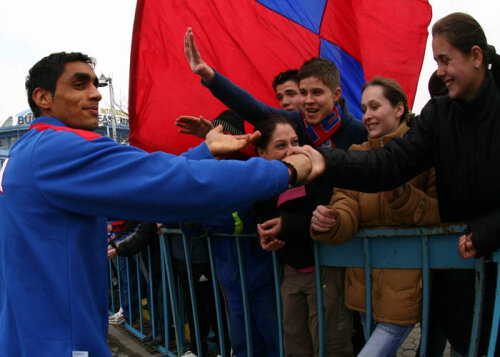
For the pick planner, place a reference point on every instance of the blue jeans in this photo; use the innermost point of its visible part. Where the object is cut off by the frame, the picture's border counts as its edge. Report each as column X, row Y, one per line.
column 385, row 339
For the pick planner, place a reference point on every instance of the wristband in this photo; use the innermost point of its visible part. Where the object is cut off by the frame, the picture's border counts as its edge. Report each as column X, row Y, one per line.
column 292, row 171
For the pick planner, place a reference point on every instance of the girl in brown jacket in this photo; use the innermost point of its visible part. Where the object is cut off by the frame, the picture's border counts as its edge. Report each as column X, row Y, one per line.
column 396, row 293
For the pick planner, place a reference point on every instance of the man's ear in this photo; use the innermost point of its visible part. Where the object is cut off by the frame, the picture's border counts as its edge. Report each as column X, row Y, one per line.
column 42, row 98
column 337, row 94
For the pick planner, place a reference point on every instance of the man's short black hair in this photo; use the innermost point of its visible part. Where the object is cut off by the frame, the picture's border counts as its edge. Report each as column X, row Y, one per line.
column 290, row 75
column 45, row 73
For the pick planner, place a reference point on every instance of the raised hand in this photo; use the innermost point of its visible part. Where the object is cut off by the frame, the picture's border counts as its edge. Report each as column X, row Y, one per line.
column 193, row 56
column 197, row 126
column 221, row 144
column 324, row 218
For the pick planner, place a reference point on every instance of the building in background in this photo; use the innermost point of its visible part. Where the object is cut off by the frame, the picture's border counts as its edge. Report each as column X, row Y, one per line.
column 12, row 128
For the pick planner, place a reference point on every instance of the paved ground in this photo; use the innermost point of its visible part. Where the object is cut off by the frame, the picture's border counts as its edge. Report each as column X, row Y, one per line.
column 124, row 344
column 409, row 347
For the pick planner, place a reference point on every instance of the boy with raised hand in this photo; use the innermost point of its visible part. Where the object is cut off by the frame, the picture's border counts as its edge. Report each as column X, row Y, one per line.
column 324, row 120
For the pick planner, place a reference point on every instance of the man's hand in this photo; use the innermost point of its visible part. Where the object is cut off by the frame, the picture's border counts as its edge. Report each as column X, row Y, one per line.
column 466, row 247
column 308, row 162
column 221, row 144
column 111, row 252
column 193, row 56
column 197, row 126
column 324, row 218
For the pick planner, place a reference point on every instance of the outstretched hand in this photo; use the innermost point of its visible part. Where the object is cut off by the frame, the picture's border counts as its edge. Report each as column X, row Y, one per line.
column 308, row 162
column 197, row 126
column 193, row 56
column 221, row 144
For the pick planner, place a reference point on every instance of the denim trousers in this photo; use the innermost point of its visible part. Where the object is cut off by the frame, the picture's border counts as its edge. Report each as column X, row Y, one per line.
column 385, row 339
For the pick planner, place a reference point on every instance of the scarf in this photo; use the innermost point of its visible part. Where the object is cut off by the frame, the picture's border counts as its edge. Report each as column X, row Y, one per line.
column 320, row 133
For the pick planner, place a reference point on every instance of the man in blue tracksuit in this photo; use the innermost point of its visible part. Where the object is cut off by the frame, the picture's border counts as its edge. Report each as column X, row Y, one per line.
column 60, row 183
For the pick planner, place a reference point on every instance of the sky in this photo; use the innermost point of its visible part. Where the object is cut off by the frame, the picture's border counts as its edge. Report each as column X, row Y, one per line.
column 30, row 30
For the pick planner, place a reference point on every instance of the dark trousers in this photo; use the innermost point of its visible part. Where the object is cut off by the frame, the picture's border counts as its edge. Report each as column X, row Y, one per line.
column 205, row 303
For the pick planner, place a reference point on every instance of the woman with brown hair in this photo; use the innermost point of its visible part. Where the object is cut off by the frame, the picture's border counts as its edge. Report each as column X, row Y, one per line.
column 397, row 293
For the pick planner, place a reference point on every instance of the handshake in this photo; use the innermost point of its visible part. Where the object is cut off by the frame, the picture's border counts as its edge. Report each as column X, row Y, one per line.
column 307, row 163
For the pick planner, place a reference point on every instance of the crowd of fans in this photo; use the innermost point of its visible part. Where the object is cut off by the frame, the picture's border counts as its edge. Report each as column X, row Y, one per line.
column 312, row 111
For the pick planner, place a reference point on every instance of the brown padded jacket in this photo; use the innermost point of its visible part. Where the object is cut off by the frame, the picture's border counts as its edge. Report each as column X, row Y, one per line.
column 396, row 293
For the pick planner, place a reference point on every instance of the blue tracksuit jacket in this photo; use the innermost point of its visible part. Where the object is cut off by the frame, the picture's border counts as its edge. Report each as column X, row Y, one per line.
column 56, row 190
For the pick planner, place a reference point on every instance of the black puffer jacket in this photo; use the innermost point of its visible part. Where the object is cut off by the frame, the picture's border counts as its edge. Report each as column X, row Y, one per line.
column 145, row 234
column 462, row 141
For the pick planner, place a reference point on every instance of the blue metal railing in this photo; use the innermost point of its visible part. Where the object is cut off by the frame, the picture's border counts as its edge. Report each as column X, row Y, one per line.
column 423, row 248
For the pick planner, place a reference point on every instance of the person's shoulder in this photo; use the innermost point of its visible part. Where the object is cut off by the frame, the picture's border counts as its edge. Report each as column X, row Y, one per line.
column 59, row 131
column 360, row 147
column 434, row 109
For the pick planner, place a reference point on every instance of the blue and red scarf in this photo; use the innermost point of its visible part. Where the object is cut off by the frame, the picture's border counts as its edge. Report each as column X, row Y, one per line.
column 320, row 133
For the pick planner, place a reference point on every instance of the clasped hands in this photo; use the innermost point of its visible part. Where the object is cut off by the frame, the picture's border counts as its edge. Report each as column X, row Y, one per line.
column 308, row 162
column 268, row 232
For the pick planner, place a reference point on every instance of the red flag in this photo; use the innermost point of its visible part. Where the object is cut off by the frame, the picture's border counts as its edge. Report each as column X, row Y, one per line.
column 251, row 41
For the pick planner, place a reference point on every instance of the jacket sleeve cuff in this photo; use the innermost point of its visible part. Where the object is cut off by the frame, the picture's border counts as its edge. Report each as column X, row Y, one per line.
column 200, row 152
column 486, row 233
column 403, row 201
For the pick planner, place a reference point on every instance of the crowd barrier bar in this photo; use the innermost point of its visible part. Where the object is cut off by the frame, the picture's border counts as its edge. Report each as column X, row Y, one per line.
column 423, row 248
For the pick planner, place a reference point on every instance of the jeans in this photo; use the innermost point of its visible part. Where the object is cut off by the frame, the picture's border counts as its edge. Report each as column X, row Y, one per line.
column 385, row 339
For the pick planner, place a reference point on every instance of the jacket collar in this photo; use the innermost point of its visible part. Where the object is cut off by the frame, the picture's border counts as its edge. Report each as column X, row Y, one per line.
column 482, row 103
column 377, row 142
column 47, row 120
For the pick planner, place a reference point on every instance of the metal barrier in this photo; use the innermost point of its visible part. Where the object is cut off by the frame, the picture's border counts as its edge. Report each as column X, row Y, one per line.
column 422, row 248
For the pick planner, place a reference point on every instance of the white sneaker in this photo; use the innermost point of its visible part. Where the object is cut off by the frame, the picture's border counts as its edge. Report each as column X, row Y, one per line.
column 188, row 354
column 118, row 318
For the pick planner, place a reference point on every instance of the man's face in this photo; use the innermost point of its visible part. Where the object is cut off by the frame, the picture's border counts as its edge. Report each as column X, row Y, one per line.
column 288, row 96
column 317, row 98
column 76, row 99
